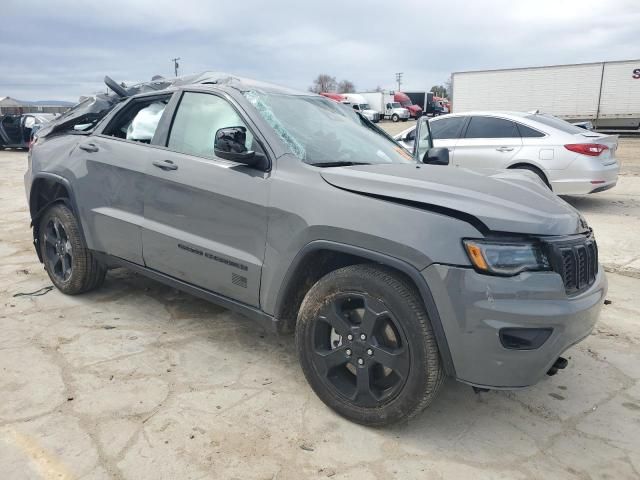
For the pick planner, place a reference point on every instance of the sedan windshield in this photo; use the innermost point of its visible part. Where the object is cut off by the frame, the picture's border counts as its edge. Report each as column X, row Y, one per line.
column 321, row 132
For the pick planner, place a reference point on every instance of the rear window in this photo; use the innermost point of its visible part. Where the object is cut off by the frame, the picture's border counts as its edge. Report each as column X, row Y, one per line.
column 555, row 122
column 491, row 127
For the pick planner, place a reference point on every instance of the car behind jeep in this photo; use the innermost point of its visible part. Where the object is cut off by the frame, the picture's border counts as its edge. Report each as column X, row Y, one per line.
column 298, row 212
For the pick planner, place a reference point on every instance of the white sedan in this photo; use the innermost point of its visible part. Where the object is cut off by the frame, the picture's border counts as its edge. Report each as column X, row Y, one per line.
column 568, row 159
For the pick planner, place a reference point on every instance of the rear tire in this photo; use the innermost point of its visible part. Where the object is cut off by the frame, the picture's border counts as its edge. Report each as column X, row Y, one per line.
column 72, row 267
column 389, row 369
column 535, row 170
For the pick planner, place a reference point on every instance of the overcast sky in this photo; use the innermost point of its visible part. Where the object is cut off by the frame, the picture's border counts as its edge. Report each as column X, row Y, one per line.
column 62, row 49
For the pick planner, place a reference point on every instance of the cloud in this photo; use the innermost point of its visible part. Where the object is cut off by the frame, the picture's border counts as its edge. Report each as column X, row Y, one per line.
column 62, row 49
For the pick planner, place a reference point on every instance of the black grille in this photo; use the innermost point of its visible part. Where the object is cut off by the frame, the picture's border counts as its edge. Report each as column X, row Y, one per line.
column 576, row 261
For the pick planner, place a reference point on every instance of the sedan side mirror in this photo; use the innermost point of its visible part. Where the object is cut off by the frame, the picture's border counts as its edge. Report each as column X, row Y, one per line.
column 436, row 156
column 230, row 144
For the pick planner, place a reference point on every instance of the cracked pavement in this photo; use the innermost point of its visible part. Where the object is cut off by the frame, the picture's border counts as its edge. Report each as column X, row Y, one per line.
column 137, row 380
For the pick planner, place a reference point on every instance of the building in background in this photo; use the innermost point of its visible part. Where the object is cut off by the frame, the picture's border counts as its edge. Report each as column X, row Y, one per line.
column 10, row 105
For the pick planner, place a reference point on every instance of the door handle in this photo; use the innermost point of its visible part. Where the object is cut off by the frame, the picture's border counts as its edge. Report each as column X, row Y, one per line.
column 504, row 149
column 89, row 147
column 166, row 165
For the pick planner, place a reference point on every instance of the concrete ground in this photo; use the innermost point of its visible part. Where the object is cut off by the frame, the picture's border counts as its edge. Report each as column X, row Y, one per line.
column 137, row 380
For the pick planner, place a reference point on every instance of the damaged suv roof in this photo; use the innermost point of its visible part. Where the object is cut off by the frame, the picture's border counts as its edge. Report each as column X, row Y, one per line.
column 86, row 114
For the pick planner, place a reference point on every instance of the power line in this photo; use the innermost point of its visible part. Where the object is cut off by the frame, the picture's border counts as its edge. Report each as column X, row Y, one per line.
column 176, row 65
column 399, row 80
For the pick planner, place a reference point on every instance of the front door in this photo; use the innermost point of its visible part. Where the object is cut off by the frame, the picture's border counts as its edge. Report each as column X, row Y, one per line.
column 205, row 217
column 445, row 132
column 488, row 142
column 11, row 130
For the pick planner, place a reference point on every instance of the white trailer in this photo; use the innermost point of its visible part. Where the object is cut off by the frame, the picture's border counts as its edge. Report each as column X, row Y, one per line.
column 605, row 93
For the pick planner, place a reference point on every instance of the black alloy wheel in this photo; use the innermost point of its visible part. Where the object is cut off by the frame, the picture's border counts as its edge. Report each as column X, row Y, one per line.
column 71, row 266
column 58, row 250
column 360, row 349
column 366, row 345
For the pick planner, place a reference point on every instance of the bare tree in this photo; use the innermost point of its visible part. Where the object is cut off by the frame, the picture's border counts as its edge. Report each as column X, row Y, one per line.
column 448, row 85
column 439, row 90
column 324, row 83
column 346, row 86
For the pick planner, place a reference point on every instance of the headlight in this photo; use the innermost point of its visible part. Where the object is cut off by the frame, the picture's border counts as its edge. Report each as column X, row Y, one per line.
column 505, row 258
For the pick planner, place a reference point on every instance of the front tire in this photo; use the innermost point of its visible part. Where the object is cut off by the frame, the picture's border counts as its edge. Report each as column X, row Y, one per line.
column 367, row 347
column 71, row 266
column 395, row 117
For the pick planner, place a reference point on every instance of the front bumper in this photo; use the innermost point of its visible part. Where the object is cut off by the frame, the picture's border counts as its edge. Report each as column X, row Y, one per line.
column 474, row 307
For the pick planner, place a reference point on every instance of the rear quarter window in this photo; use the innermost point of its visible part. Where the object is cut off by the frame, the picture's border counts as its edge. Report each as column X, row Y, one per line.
column 527, row 132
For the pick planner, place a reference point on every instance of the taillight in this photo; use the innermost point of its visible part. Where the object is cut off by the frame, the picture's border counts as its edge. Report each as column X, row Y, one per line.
column 591, row 149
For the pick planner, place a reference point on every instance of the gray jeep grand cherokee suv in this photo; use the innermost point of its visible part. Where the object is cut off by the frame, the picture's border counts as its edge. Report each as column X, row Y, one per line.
column 288, row 207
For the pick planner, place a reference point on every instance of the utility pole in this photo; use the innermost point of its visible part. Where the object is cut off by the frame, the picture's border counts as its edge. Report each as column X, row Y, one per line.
column 399, row 80
column 176, row 65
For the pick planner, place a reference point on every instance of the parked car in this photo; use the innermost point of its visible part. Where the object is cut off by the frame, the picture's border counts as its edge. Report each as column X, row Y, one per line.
column 293, row 210
column 414, row 110
column 359, row 104
column 586, row 125
column 386, row 106
column 568, row 159
column 16, row 130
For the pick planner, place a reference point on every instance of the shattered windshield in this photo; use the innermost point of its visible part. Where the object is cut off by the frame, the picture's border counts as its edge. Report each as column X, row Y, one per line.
column 321, row 132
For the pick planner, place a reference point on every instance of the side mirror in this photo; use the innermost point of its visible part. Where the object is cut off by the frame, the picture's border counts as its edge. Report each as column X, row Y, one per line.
column 436, row 156
column 230, row 144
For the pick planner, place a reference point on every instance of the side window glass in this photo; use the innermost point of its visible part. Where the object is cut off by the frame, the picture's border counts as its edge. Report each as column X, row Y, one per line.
column 527, row 132
column 411, row 135
column 446, row 128
column 139, row 121
column 490, row 127
column 199, row 117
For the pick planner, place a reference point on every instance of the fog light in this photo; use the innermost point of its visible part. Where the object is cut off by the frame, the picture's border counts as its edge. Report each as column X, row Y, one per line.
column 524, row 338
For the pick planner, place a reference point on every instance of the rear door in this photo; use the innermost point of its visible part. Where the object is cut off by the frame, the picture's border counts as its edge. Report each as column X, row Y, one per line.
column 487, row 142
column 206, row 217
column 110, row 194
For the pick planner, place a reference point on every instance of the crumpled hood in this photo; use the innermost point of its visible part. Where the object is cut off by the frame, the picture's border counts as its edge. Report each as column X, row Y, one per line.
column 503, row 200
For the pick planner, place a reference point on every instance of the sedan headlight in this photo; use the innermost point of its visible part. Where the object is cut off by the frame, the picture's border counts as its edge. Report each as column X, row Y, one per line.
column 505, row 258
